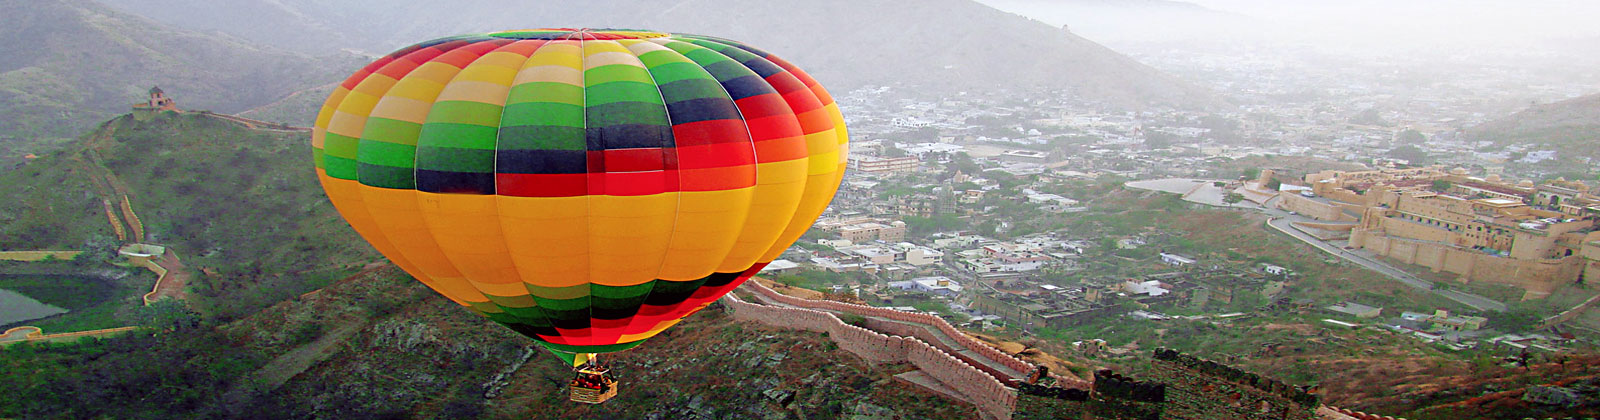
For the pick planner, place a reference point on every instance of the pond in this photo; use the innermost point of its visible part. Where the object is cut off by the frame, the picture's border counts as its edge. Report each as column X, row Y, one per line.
column 15, row 307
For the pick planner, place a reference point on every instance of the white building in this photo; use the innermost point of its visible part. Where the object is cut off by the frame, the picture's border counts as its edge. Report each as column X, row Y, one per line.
column 1148, row 287
column 779, row 266
column 939, row 285
column 1176, row 260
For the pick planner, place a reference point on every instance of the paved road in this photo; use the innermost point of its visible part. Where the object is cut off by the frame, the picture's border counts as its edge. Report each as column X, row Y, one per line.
column 1281, row 220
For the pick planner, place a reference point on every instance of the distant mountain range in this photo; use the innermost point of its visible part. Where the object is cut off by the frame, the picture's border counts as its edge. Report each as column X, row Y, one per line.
column 945, row 45
column 1571, row 127
column 68, row 64
column 1138, row 25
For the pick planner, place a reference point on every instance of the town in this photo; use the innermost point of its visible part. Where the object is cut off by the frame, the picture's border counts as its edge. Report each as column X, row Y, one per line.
column 1015, row 216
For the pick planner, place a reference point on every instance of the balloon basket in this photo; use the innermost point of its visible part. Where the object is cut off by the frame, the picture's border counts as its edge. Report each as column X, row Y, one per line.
column 592, row 385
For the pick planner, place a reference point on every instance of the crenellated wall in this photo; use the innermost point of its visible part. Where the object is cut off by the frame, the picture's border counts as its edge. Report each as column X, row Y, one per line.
column 966, row 342
column 1181, row 387
column 1325, row 211
column 1203, row 389
column 992, row 399
column 1539, row 277
column 37, row 255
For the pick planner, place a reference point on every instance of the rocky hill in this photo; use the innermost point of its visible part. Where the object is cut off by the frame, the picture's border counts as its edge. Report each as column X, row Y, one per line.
column 937, row 45
column 1573, row 124
column 68, row 64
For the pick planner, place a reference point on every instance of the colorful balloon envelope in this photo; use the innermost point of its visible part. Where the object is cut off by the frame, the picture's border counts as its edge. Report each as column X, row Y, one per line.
column 586, row 188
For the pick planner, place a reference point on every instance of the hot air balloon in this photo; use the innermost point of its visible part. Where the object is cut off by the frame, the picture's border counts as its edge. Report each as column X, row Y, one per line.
column 586, row 188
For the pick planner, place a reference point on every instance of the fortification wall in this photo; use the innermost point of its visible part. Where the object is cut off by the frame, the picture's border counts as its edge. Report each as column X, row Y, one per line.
column 161, row 275
column 1569, row 314
column 1345, row 227
column 1538, row 277
column 1334, row 413
column 1344, row 196
column 1312, row 208
column 992, row 399
column 908, row 330
column 963, row 340
column 28, row 334
column 1200, row 389
column 116, row 224
column 133, row 220
column 38, row 255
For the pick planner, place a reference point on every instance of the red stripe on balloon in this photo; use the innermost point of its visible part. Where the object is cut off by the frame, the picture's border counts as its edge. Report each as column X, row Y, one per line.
column 542, row 185
column 715, row 155
column 709, row 132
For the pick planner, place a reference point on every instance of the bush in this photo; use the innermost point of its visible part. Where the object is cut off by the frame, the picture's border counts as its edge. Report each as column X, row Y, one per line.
column 853, row 319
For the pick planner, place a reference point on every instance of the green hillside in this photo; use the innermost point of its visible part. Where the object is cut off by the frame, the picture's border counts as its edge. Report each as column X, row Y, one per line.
column 68, row 64
column 244, row 206
column 243, row 203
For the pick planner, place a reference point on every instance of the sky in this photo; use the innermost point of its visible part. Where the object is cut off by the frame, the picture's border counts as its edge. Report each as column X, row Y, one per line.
column 1361, row 24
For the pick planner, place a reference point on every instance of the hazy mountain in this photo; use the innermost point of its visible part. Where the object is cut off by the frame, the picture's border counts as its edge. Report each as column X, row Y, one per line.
column 68, row 64
column 1129, row 25
column 1570, row 126
column 944, row 44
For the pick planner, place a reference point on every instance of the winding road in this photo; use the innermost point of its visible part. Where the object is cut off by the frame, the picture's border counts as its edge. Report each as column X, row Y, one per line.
column 1282, row 222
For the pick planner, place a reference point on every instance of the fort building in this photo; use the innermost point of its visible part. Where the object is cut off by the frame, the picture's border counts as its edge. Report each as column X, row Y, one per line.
column 1480, row 229
column 157, row 102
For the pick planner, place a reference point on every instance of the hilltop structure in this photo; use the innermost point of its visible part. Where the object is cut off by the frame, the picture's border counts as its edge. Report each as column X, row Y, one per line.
column 158, row 102
column 1538, row 237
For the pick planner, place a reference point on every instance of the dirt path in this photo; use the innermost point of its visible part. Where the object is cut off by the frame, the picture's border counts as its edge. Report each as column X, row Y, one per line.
column 172, row 284
column 285, row 367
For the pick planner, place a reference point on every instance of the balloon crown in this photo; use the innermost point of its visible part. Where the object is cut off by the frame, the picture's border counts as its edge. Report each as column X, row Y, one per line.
column 577, row 34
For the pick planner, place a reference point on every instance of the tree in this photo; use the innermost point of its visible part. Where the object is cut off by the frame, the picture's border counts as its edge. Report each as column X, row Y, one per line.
column 963, row 162
column 1410, row 137
column 166, row 314
column 1233, row 198
column 1441, row 185
column 1159, row 140
column 1516, row 319
column 1409, row 153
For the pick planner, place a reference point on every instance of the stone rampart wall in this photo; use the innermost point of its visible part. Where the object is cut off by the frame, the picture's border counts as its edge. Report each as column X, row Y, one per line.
column 116, row 225
column 133, row 220
column 161, row 275
column 1202, row 389
column 28, row 334
column 38, row 255
column 965, row 341
column 992, row 399
column 908, row 330
column 1356, row 415
column 1538, row 277
column 1312, row 208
